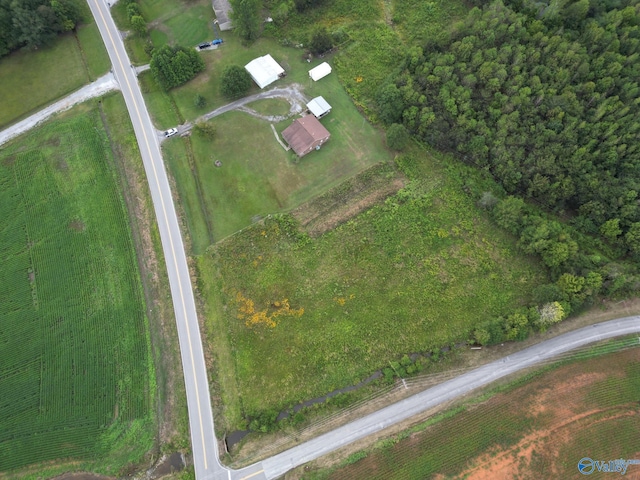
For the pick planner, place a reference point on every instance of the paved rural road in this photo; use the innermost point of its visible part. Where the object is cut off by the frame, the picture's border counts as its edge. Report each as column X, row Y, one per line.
column 204, row 445
column 279, row 464
column 203, row 441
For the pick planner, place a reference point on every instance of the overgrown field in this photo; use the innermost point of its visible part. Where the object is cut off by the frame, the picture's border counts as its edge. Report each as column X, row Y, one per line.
column 77, row 382
column 539, row 428
column 306, row 316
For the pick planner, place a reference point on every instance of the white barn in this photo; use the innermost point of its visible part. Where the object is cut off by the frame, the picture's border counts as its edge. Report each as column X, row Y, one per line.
column 320, row 71
column 264, row 70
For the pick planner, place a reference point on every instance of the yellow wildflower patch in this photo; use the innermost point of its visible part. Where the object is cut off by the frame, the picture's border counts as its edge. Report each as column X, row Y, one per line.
column 247, row 311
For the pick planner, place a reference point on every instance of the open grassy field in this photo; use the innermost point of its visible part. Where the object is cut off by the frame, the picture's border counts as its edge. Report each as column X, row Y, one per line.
column 538, row 427
column 306, row 316
column 258, row 176
column 418, row 21
column 77, row 380
column 172, row 418
column 33, row 79
column 169, row 22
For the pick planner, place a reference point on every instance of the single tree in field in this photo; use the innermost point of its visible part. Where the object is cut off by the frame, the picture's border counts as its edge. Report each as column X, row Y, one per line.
column 397, row 137
column 246, row 18
column 206, row 129
column 320, row 41
column 235, row 81
column 138, row 24
column 550, row 313
column 390, row 104
column 199, row 101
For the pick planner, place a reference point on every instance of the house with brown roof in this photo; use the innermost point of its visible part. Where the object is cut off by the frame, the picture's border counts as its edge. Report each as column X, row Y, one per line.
column 305, row 134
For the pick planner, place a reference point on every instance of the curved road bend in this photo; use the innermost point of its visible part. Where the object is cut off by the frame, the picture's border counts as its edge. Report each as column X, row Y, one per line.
column 444, row 392
column 203, row 442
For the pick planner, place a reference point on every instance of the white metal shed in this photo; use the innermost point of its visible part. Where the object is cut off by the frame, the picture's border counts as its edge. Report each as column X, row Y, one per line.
column 264, row 70
column 319, row 107
column 320, row 71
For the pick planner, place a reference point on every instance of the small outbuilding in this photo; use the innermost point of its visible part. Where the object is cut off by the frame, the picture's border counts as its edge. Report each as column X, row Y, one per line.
column 320, row 71
column 305, row 134
column 264, row 70
column 319, row 107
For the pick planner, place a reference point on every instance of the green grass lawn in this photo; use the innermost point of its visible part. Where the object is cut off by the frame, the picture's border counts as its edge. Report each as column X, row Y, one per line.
column 33, row 79
column 270, row 106
column 94, row 53
column 169, row 22
column 232, row 52
column 568, row 411
column 77, row 381
column 160, row 104
column 417, row 272
column 257, row 176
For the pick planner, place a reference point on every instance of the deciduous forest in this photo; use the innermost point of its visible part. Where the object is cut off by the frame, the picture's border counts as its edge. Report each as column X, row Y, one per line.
column 33, row 23
column 543, row 95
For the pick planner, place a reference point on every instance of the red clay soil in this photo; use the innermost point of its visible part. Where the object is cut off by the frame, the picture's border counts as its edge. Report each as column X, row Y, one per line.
column 562, row 404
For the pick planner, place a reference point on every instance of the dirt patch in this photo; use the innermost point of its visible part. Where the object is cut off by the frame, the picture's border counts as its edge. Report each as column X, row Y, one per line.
column 167, row 465
column 53, row 142
column 558, row 406
column 516, row 461
column 82, row 476
column 349, row 199
column 343, row 214
column 9, row 161
column 77, row 225
column 62, row 165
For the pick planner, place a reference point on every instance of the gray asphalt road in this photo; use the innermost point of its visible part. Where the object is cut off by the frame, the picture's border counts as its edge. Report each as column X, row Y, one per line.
column 444, row 392
column 204, row 446
column 203, row 442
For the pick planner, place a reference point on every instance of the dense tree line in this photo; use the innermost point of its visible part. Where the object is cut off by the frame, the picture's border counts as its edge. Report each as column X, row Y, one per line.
column 172, row 66
column 546, row 98
column 33, row 23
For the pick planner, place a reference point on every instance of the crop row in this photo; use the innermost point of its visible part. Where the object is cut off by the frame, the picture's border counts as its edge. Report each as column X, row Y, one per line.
column 73, row 353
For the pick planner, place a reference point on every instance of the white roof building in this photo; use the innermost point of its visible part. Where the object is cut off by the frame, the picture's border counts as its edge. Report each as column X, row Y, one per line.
column 264, row 70
column 319, row 107
column 320, row 71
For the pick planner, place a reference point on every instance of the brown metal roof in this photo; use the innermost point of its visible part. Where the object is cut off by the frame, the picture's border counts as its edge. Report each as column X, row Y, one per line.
column 304, row 133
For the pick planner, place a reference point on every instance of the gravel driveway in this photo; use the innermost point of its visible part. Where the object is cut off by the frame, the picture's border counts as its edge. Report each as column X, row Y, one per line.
column 98, row 88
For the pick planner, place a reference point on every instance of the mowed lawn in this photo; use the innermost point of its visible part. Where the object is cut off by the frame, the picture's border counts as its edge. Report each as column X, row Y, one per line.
column 77, row 381
column 412, row 274
column 535, row 429
column 257, row 176
column 170, row 22
column 32, row 79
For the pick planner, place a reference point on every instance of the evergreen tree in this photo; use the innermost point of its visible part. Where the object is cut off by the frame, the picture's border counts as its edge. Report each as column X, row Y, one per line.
column 235, row 81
